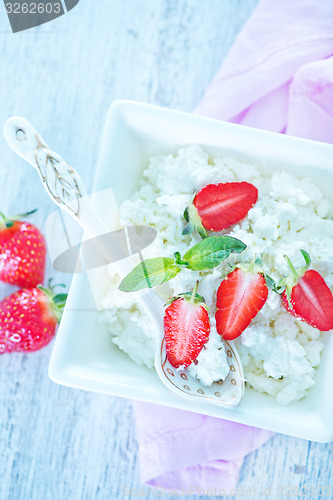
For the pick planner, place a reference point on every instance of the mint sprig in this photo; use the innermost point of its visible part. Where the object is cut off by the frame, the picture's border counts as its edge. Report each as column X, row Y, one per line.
column 205, row 255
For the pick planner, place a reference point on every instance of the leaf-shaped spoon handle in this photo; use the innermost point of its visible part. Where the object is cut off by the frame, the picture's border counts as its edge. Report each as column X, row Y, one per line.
column 62, row 182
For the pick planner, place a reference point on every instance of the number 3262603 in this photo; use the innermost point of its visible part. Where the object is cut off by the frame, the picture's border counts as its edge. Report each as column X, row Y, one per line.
column 33, row 8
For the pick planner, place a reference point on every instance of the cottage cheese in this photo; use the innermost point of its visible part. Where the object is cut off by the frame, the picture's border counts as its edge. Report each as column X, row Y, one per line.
column 279, row 353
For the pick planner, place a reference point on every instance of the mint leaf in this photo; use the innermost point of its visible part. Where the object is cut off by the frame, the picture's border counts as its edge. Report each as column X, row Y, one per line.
column 149, row 273
column 210, row 252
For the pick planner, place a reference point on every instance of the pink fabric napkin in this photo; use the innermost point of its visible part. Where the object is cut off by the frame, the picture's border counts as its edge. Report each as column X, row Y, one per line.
column 183, row 450
column 277, row 76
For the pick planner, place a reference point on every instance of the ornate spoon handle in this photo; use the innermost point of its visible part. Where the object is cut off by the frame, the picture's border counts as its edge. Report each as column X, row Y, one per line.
column 66, row 189
column 63, row 183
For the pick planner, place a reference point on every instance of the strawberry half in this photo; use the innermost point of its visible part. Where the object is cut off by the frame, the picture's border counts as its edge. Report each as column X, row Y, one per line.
column 22, row 252
column 186, row 328
column 240, row 297
column 218, row 206
column 28, row 319
column 307, row 296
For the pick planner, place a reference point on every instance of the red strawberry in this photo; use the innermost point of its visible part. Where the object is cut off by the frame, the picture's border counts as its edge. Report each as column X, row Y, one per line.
column 218, row 206
column 186, row 328
column 307, row 296
column 240, row 297
column 28, row 319
column 22, row 253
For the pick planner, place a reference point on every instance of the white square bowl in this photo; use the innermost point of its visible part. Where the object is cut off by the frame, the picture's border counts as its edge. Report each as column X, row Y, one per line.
column 84, row 357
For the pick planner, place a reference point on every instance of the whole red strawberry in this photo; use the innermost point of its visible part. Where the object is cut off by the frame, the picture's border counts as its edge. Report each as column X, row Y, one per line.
column 186, row 328
column 240, row 297
column 307, row 296
column 22, row 252
column 218, row 206
column 28, row 319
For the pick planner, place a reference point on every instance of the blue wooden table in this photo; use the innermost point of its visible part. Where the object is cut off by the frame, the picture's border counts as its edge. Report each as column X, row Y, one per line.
column 56, row 442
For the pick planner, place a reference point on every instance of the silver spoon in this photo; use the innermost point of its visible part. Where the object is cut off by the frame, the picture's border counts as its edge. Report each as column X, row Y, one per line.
column 66, row 189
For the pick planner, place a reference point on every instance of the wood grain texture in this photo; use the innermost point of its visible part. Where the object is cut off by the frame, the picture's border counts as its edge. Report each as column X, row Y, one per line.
column 59, row 443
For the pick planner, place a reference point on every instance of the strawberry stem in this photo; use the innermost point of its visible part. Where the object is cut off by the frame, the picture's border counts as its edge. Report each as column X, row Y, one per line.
column 52, row 287
column 251, row 265
column 179, row 262
column 194, row 292
column 293, row 270
column 21, row 216
column 9, row 221
column 3, row 223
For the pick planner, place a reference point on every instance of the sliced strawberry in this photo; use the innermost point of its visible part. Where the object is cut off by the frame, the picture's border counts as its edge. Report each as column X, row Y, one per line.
column 288, row 305
column 240, row 297
column 218, row 206
column 186, row 329
column 28, row 319
column 311, row 301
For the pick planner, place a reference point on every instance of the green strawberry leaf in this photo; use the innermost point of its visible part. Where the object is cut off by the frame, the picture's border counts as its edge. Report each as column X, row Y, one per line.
column 301, row 270
column 149, row 273
column 193, row 222
column 60, row 298
column 272, row 285
column 202, row 232
column 197, row 299
column 226, row 272
column 210, row 252
column 188, row 229
column 307, row 258
column 9, row 221
column 292, row 279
